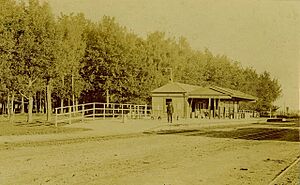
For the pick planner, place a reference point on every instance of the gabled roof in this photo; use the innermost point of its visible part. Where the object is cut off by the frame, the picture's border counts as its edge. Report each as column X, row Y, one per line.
column 175, row 87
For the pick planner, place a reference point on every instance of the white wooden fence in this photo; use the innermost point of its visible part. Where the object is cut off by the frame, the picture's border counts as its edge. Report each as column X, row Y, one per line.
column 101, row 110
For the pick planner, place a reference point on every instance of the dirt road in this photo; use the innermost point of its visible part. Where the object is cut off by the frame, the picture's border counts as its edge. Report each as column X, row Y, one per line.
column 149, row 160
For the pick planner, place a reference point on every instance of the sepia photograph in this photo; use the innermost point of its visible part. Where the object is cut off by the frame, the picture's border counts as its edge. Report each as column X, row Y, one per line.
column 140, row 92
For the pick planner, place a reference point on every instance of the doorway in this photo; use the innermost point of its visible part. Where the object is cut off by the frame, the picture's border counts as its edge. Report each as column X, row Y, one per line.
column 168, row 100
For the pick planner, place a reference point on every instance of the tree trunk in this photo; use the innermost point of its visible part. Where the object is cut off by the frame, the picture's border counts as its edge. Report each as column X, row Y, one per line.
column 107, row 96
column 61, row 105
column 62, row 98
column 8, row 105
column 40, row 104
column 76, row 108
column 36, row 103
column 30, row 106
column 11, row 118
column 2, row 105
column 69, row 104
column 43, row 106
column 22, row 105
column 3, row 108
column 49, row 107
column 73, row 96
column 30, row 103
column 45, row 102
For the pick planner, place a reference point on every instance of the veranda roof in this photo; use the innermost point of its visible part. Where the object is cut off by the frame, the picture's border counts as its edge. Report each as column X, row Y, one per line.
column 234, row 93
column 203, row 92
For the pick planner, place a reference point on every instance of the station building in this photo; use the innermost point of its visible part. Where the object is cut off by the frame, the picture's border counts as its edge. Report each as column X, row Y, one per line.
column 190, row 101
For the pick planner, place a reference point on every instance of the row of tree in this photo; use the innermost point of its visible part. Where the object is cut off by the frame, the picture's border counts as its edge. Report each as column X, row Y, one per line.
column 72, row 59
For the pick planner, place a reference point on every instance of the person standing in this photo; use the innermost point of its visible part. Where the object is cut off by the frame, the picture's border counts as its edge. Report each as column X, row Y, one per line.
column 170, row 111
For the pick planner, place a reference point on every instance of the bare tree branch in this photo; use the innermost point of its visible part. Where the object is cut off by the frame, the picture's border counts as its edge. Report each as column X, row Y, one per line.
column 23, row 95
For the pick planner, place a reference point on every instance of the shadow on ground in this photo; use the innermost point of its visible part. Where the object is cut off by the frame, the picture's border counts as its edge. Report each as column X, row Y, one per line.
column 278, row 134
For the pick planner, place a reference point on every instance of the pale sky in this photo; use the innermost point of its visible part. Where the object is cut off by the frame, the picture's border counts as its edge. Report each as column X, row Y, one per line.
column 263, row 34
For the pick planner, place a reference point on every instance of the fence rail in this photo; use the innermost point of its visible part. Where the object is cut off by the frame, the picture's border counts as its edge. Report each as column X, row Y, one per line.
column 101, row 110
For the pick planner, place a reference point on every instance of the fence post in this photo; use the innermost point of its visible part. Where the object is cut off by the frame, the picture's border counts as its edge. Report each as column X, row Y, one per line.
column 82, row 112
column 94, row 110
column 130, row 111
column 104, row 111
column 113, row 109
column 145, row 110
column 138, row 109
column 55, row 117
column 122, row 113
column 134, row 111
column 70, row 114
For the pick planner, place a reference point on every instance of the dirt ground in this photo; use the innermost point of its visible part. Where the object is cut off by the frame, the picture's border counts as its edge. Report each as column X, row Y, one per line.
column 151, row 159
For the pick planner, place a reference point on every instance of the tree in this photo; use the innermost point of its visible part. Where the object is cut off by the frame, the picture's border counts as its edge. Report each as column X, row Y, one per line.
column 104, row 59
column 10, row 14
column 34, row 52
column 71, row 30
column 117, row 61
column 159, row 52
column 268, row 90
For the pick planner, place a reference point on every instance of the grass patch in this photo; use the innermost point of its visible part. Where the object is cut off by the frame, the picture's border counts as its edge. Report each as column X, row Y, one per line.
column 39, row 126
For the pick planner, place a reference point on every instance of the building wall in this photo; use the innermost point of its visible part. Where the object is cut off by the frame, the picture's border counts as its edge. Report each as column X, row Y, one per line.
column 159, row 107
column 225, row 108
column 178, row 103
